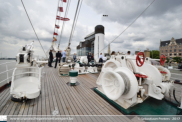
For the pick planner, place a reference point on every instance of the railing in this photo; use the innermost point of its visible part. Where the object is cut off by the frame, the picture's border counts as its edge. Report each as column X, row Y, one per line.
column 14, row 74
column 7, row 71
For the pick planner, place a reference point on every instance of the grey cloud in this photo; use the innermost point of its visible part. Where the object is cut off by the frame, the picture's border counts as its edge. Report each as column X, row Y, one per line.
column 127, row 45
column 118, row 41
column 124, row 12
column 139, row 39
column 161, row 21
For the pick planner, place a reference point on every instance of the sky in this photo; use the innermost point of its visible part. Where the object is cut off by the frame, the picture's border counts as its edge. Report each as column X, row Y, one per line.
column 161, row 21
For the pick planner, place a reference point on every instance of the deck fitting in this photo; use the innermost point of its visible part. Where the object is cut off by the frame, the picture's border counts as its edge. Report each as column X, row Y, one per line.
column 73, row 84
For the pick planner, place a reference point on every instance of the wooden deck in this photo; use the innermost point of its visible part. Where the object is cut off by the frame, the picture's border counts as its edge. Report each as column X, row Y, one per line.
column 57, row 95
column 68, row 100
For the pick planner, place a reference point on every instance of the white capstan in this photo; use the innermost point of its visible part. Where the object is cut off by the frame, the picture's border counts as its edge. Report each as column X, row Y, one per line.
column 131, row 79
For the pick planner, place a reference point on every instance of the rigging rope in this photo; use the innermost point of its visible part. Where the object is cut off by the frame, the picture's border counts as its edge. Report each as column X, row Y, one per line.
column 65, row 15
column 56, row 17
column 73, row 22
column 33, row 27
column 76, row 20
column 129, row 25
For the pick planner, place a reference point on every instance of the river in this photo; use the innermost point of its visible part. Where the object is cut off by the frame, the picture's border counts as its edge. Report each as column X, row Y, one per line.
column 3, row 76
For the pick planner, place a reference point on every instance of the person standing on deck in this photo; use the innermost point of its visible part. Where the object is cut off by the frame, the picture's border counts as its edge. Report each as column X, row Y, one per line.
column 113, row 53
column 93, row 57
column 128, row 53
column 58, row 58
column 64, row 55
column 100, row 58
column 50, row 58
column 89, row 57
column 74, row 57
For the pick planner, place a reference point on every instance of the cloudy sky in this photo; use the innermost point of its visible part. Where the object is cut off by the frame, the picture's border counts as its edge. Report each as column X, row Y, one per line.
column 162, row 20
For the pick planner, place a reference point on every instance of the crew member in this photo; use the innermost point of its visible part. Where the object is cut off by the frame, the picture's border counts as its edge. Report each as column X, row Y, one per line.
column 89, row 57
column 74, row 57
column 128, row 53
column 64, row 55
column 93, row 57
column 113, row 53
column 100, row 58
column 58, row 58
column 50, row 58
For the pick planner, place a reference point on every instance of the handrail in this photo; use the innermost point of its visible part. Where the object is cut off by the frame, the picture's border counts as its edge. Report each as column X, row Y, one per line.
column 12, row 83
column 26, row 73
column 26, row 67
column 7, row 62
column 13, row 75
column 5, row 79
column 6, row 71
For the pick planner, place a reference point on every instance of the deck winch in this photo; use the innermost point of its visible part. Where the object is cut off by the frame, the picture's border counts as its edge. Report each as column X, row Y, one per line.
column 83, row 67
column 80, row 65
column 130, row 79
column 92, row 68
column 63, row 70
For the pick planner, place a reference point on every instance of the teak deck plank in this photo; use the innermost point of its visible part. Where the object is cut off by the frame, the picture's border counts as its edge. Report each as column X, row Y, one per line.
column 7, row 108
column 58, row 97
column 3, row 93
column 43, row 95
column 4, row 97
column 99, row 101
column 13, row 108
column 5, row 102
column 81, row 104
column 69, row 105
column 70, row 100
column 47, row 104
column 30, row 110
column 51, row 106
column 98, row 107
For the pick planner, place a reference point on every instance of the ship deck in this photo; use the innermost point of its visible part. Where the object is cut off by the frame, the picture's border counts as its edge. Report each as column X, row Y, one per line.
column 57, row 95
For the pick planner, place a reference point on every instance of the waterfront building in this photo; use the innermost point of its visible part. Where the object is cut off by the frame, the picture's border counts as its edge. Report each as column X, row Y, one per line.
column 86, row 46
column 94, row 43
column 171, row 48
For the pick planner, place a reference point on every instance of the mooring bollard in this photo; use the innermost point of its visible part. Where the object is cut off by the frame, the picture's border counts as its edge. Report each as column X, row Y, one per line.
column 73, row 77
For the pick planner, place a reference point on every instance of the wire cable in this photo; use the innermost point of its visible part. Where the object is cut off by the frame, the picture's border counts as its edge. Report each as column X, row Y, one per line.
column 65, row 15
column 56, row 17
column 129, row 24
column 74, row 21
column 33, row 27
column 175, row 97
column 57, row 21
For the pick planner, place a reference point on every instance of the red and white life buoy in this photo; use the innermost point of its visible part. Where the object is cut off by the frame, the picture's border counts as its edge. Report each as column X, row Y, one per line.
column 162, row 60
column 139, row 61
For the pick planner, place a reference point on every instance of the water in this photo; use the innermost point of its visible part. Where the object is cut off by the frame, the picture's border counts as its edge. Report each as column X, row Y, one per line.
column 3, row 76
